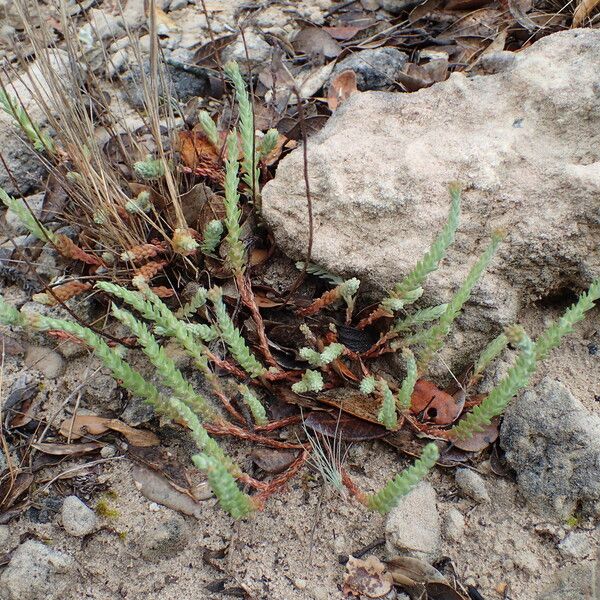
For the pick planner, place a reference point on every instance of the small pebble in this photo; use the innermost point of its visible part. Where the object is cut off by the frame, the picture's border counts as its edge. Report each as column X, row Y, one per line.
column 472, row 485
column 300, row 584
column 108, row 451
column 454, row 525
column 45, row 360
column 78, row 519
column 575, row 545
column 4, row 539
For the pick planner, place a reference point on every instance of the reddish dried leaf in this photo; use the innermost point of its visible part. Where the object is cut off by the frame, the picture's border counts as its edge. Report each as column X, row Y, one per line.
column 343, row 32
column 315, row 40
column 366, row 578
column 444, row 408
column 196, row 150
column 415, row 77
column 341, row 88
column 481, row 440
column 424, row 394
column 346, row 427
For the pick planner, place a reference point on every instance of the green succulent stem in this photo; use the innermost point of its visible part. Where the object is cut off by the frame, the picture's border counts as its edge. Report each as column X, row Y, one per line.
column 497, row 400
column 408, row 384
column 384, row 500
column 222, row 483
column 254, row 404
column 233, row 213
column 246, row 125
column 233, row 338
column 387, row 413
column 431, row 260
column 437, row 333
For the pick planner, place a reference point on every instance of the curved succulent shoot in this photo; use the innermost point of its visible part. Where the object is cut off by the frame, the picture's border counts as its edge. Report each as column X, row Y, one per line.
column 41, row 141
column 209, row 128
column 19, row 208
column 404, row 482
column 194, row 305
column 222, row 483
column 170, row 375
column 258, row 411
column 367, row 385
column 150, row 168
column 418, row 318
column 488, row 355
column 268, row 143
column 553, row 335
column 211, row 236
column 246, row 125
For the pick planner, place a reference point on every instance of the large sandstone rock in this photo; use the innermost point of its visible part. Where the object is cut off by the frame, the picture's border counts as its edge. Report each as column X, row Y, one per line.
column 525, row 143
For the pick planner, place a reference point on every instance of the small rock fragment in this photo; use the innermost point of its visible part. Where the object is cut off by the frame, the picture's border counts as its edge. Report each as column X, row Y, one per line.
column 575, row 545
column 472, row 485
column 376, row 69
column 413, row 526
column 454, row 525
column 45, row 360
column 258, row 51
column 4, row 539
column 34, row 573
column 574, row 582
column 78, row 519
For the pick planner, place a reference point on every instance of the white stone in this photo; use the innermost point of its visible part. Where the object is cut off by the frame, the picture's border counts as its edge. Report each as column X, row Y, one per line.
column 454, row 525
column 413, row 526
column 472, row 485
column 78, row 519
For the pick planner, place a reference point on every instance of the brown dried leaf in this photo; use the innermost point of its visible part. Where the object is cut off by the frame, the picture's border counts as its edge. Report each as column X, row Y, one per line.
column 351, row 401
column 68, row 449
column 341, row 88
column 314, row 40
column 366, row 578
column 583, row 11
column 413, row 568
column 82, row 425
column 424, row 393
column 342, row 32
column 415, row 77
column 273, row 460
column 437, row 590
column 136, row 437
column 12, row 488
column 196, row 150
column 345, row 427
